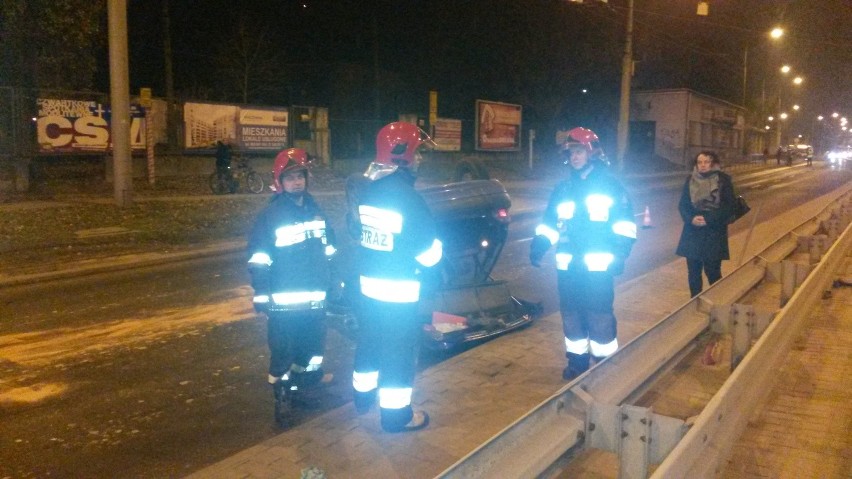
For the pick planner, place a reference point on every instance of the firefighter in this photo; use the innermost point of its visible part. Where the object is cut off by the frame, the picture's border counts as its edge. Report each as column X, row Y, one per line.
column 590, row 220
column 397, row 243
column 289, row 249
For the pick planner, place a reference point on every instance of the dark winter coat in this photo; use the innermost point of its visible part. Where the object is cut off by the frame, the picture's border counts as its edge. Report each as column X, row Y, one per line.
column 710, row 242
column 390, row 252
column 294, row 237
column 580, row 233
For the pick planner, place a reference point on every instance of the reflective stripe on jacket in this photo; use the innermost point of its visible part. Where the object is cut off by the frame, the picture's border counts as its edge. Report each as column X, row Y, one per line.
column 590, row 221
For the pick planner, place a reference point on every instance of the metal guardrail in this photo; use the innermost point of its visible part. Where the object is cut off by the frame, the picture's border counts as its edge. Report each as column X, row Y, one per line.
column 593, row 411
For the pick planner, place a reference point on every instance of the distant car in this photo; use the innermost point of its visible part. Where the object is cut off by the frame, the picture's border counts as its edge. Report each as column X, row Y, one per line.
column 839, row 157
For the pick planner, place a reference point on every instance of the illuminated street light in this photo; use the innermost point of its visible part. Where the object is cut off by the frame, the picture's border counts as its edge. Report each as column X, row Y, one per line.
column 777, row 33
column 798, row 80
column 785, row 69
column 771, row 118
column 796, row 107
column 819, row 118
column 767, row 127
column 835, row 115
column 783, row 116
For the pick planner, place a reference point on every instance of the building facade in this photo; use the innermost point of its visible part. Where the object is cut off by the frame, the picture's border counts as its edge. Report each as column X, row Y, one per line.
column 674, row 125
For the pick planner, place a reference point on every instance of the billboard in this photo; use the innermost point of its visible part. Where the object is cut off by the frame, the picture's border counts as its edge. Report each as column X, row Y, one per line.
column 69, row 126
column 247, row 129
column 447, row 134
column 498, row 126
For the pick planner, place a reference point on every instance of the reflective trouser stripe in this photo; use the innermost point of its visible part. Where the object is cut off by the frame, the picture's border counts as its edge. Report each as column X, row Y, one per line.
column 395, row 398
column 391, row 290
column 365, row 382
column 603, row 350
column 563, row 260
column 297, row 297
column 577, row 346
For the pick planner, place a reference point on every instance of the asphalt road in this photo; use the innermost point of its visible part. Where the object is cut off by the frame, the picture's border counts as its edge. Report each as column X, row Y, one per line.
column 160, row 371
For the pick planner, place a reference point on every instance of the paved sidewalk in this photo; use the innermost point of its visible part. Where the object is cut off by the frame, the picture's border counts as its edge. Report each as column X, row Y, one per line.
column 473, row 395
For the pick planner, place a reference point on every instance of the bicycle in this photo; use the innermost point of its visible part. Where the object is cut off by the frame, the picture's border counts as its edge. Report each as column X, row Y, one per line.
column 229, row 182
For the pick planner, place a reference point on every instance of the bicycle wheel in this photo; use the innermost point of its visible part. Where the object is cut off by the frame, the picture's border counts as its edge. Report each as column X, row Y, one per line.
column 219, row 184
column 254, row 182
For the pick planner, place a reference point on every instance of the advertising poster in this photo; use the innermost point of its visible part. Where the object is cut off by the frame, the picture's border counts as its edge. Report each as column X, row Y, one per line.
column 247, row 129
column 69, row 126
column 498, row 126
column 447, row 134
column 205, row 124
column 262, row 129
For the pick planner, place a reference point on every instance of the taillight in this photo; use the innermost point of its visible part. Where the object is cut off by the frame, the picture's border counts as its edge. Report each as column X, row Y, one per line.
column 502, row 214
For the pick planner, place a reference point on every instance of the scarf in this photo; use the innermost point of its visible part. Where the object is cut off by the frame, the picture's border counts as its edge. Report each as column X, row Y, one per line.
column 704, row 190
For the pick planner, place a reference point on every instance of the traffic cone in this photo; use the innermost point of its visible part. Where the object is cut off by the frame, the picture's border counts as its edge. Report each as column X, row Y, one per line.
column 646, row 219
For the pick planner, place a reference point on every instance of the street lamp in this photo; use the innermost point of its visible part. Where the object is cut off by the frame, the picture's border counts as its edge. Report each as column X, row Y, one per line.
column 776, row 33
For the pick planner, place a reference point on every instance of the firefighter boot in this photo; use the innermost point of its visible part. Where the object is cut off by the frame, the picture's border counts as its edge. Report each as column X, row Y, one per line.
column 280, row 393
column 364, row 401
column 577, row 365
column 390, row 421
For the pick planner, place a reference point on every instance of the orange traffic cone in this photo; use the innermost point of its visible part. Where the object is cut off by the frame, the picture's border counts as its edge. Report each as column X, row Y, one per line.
column 646, row 219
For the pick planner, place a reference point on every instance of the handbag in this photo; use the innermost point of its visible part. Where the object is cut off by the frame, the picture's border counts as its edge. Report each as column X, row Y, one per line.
column 740, row 209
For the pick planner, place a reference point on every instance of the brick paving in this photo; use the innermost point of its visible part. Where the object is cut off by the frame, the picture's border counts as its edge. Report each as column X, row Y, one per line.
column 805, row 429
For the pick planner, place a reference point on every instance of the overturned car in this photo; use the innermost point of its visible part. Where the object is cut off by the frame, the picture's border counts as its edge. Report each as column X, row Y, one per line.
column 461, row 303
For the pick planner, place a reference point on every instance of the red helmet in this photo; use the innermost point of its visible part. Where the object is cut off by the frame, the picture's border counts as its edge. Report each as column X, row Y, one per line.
column 291, row 159
column 582, row 137
column 397, row 143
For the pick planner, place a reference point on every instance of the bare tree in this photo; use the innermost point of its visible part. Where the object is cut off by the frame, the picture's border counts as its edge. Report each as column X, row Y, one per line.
column 247, row 63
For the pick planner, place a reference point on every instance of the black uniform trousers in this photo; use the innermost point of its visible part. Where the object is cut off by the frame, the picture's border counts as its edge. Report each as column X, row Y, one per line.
column 712, row 268
column 388, row 335
column 585, row 303
column 294, row 337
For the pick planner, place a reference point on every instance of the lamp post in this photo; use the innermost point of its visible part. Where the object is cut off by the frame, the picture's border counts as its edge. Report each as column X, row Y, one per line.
column 624, row 104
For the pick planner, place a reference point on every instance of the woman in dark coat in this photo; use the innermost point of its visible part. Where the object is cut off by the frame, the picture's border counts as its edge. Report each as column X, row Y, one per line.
column 706, row 206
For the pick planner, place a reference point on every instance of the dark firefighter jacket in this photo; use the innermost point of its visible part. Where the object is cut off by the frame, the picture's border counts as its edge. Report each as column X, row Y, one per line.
column 708, row 242
column 590, row 220
column 398, row 238
column 288, row 251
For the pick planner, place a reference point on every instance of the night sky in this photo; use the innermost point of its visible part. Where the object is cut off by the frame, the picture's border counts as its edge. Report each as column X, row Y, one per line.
column 538, row 53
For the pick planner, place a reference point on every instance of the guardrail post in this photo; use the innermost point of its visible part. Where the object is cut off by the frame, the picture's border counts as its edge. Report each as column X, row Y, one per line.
column 740, row 332
column 793, row 274
column 635, row 433
column 634, row 447
column 831, row 227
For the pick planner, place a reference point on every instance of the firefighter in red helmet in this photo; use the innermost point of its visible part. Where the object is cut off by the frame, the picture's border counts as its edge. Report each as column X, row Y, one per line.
column 589, row 219
column 397, row 243
column 289, row 249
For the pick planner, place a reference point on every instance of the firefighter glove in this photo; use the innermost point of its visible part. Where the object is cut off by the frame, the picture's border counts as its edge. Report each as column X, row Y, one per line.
column 538, row 247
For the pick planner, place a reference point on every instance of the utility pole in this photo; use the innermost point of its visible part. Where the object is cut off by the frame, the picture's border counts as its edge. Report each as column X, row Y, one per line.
column 119, row 87
column 172, row 115
column 626, row 76
column 745, row 73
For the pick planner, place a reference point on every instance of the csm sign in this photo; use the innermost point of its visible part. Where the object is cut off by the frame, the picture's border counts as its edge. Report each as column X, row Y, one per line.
column 65, row 126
